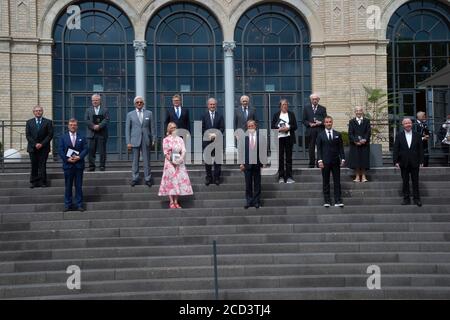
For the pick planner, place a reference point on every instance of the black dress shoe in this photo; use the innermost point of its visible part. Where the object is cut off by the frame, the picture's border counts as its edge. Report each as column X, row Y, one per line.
column 44, row 185
column 81, row 209
column 246, row 206
column 102, row 168
column 207, row 181
column 91, row 169
column 217, row 182
column 418, row 203
column 32, row 185
column 149, row 183
column 257, row 205
column 66, row 209
column 406, row 202
column 133, row 183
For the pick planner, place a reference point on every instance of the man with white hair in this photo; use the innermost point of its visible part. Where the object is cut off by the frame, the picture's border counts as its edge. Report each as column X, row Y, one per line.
column 97, row 119
column 243, row 114
column 313, row 116
column 139, row 137
column 420, row 126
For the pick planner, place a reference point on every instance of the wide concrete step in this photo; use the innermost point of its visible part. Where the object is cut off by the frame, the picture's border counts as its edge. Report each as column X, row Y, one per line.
column 226, row 229
column 25, row 217
column 249, row 283
column 182, row 250
column 235, row 239
column 328, row 293
column 28, row 278
column 83, row 222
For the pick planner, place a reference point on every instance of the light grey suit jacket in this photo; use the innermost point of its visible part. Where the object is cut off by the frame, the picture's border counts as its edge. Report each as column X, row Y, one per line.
column 89, row 117
column 136, row 133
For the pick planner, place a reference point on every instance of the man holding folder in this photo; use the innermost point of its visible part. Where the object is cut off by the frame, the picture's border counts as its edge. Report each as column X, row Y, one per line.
column 72, row 151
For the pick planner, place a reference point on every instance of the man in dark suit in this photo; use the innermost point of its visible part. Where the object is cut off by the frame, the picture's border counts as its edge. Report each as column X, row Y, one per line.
column 420, row 126
column 178, row 115
column 313, row 116
column 97, row 119
column 212, row 120
column 39, row 133
column 72, row 151
column 251, row 164
column 243, row 113
column 331, row 157
column 408, row 156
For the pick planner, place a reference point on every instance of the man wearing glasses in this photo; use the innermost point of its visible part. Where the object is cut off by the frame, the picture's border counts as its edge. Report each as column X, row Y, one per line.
column 139, row 136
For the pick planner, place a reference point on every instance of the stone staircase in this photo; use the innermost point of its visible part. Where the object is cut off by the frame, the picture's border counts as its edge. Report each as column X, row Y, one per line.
column 128, row 245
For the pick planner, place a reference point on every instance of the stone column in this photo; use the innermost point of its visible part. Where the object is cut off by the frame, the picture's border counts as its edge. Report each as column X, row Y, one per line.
column 228, row 47
column 139, row 47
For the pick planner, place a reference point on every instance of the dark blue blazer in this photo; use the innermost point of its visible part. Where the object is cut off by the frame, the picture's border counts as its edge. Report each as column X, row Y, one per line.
column 219, row 124
column 330, row 152
column 183, row 123
column 260, row 144
column 80, row 145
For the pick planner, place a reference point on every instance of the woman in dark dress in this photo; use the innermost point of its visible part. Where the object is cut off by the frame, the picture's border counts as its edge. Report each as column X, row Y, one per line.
column 359, row 137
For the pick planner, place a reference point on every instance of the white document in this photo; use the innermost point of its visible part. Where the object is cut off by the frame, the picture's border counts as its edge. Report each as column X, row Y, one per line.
column 71, row 152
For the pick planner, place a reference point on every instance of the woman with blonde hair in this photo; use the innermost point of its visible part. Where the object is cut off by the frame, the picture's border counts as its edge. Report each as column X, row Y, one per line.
column 175, row 180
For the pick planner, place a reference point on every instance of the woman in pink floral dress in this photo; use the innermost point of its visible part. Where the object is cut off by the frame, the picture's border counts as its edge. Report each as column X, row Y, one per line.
column 175, row 180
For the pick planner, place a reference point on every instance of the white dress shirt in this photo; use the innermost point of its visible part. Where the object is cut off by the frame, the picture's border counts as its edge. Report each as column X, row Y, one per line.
column 408, row 136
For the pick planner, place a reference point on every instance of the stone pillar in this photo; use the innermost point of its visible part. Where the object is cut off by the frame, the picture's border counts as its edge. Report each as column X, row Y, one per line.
column 139, row 47
column 228, row 47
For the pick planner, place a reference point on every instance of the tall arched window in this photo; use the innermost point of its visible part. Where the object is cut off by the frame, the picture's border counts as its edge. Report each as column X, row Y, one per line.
column 273, row 59
column 419, row 34
column 184, row 55
column 97, row 57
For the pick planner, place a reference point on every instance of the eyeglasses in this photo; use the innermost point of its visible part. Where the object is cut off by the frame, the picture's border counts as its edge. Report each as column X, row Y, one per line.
column 139, row 102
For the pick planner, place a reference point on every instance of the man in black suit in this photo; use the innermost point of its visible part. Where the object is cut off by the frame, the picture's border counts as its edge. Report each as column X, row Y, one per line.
column 331, row 157
column 97, row 119
column 313, row 116
column 243, row 113
column 178, row 115
column 420, row 126
column 39, row 133
column 408, row 156
column 212, row 120
column 251, row 164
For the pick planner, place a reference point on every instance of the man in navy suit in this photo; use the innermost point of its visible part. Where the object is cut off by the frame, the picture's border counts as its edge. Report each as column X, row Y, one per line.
column 330, row 155
column 72, row 151
column 39, row 133
column 409, row 157
column 178, row 115
column 313, row 116
column 212, row 119
column 251, row 164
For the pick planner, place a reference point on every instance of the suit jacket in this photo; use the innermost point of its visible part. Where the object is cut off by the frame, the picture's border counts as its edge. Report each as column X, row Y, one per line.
column 403, row 155
column 308, row 116
column 421, row 128
column 136, row 133
column 219, row 124
column 292, row 123
column 89, row 117
column 80, row 145
column 43, row 136
column 330, row 152
column 261, row 144
column 239, row 117
column 183, row 122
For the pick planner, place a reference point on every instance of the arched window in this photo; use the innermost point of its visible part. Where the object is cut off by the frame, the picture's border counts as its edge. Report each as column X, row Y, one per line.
column 184, row 55
column 272, row 59
column 97, row 57
column 419, row 34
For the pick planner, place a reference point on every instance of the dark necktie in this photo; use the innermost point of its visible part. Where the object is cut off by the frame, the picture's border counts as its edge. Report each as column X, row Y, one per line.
column 38, row 123
column 329, row 136
column 245, row 114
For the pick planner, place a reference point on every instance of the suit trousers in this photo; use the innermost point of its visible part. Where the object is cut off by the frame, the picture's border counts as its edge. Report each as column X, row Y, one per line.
column 217, row 168
column 334, row 169
column 146, row 159
column 253, row 184
column 38, row 167
column 97, row 142
column 407, row 171
column 313, row 133
column 71, row 176
column 285, row 154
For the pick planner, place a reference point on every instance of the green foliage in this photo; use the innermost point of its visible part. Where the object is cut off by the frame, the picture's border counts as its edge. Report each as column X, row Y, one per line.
column 345, row 138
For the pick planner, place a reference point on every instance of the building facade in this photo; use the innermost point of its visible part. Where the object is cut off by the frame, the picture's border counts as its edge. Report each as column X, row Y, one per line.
column 56, row 53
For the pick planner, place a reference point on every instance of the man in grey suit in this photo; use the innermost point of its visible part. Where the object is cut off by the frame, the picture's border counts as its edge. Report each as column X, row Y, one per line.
column 244, row 113
column 97, row 119
column 139, row 136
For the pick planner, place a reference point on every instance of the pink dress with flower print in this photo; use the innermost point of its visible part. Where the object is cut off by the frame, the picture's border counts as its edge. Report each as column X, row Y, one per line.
column 175, row 180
